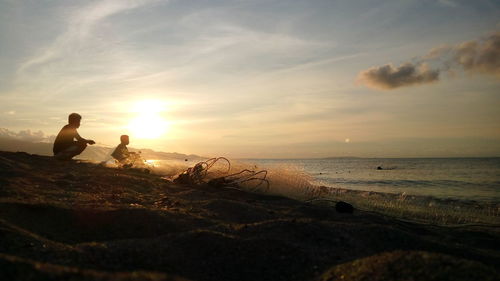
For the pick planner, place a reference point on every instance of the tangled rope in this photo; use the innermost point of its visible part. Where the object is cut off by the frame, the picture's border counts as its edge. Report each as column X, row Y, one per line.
column 197, row 175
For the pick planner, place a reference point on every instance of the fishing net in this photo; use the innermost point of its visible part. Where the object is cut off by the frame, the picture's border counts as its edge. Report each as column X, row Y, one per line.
column 217, row 172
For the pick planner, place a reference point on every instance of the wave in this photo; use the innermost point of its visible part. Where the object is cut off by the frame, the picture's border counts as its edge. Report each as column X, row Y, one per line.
column 494, row 185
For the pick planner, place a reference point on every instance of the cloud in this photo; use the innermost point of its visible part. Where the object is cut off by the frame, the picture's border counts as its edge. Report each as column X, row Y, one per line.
column 389, row 77
column 437, row 52
column 26, row 135
column 80, row 25
column 480, row 56
column 95, row 50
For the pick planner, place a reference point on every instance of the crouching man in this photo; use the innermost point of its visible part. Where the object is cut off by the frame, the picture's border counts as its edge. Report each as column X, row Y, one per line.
column 68, row 142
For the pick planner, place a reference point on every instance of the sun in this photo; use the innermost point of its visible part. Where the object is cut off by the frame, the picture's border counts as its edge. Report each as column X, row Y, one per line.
column 147, row 126
column 148, row 122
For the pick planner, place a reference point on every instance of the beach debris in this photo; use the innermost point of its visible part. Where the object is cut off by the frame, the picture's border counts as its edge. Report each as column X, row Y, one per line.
column 344, row 207
column 340, row 206
column 248, row 179
column 385, row 168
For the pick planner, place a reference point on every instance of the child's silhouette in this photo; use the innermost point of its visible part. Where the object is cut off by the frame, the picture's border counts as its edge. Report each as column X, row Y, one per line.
column 121, row 153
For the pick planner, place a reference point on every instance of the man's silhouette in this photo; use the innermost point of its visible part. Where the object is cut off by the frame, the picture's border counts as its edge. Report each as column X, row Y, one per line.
column 65, row 145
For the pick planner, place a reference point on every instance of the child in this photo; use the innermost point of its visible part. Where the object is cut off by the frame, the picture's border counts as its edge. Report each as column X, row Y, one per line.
column 121, row 153
column 65, row 146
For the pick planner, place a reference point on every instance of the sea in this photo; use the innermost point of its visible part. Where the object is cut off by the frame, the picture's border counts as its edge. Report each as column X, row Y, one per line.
column 476, row 179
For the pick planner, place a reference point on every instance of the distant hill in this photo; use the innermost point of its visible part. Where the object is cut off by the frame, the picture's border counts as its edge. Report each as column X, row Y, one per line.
column 11, row 144
column 94, row 152
column 160, row 155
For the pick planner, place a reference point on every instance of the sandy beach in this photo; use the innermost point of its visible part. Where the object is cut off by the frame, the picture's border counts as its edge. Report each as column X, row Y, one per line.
column 71, row 220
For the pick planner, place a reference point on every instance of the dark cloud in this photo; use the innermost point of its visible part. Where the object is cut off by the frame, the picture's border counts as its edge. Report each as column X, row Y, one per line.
column 388, row 77
column 478, row 56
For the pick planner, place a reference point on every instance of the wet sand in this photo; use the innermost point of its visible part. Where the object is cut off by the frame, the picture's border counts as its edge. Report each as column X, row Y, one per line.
column 81, row 221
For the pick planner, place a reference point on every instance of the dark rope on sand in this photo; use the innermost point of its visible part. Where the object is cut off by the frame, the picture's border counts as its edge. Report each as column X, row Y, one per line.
column 246, row 176
column 197, row 175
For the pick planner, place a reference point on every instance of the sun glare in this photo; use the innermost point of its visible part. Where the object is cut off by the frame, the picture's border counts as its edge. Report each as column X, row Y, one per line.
column 148, row 122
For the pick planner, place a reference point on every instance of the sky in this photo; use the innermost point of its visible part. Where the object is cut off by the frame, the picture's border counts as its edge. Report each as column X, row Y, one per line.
column 257, row 79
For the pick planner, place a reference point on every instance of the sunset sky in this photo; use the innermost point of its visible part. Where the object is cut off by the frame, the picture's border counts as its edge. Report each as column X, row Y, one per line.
column 252, row 78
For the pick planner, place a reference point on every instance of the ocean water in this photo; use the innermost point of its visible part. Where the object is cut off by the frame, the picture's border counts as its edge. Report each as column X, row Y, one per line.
column 475, row 179
column 447, row 191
